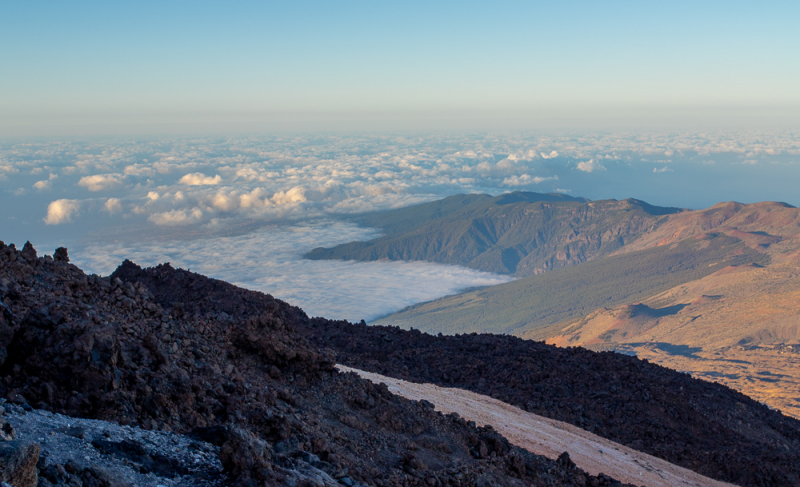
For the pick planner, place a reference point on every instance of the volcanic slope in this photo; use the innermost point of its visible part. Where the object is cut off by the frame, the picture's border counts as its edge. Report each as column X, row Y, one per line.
column 702, row 426
column 549, row 437
column 528, row 306
column 200, row 356
column 739, row 326
column 705, row 427
column 517, row 233
column 682, row 247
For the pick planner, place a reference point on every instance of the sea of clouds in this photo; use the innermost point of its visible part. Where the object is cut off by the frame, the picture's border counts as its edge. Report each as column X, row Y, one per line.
column 269, row 259
column 244, row 209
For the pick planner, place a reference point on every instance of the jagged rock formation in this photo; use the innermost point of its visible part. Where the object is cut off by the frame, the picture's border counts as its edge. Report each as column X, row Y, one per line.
column 171, row 350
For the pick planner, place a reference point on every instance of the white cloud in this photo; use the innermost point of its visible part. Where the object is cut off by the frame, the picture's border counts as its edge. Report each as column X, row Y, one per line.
column 43, row 185
column 254, row 199
column 225, row 202
column 8, row 169
column 551, row 155
column 251, row 174
column 200, row 179
column 113, row 205
column 177, row 217
column 139, row 170
column 526, row 179
column 590, row 166
column 61, row 211
column 99, row 182
column 334, row 289
column 663, row 169
column 294, row 195
column 153, row 196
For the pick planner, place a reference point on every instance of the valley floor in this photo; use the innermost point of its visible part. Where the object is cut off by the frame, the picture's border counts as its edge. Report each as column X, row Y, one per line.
column 548, row 437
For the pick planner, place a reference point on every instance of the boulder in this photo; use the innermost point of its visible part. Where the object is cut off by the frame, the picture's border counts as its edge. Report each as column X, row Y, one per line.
column 18, row 461
column 61, row 255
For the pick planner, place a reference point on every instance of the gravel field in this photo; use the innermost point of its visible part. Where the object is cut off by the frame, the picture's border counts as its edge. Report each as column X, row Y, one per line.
column 139, row 457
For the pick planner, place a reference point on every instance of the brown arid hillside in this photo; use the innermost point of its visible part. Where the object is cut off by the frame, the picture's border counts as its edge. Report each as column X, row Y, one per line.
column 768, row 226
column 739, row 326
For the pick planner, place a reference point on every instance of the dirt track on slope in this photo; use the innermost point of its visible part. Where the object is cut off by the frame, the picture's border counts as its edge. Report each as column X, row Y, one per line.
column 549, row 437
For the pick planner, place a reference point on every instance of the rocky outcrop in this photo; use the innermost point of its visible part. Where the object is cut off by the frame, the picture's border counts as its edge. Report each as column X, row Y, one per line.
column 18, row 461
column 702, row 426
column 168, row 350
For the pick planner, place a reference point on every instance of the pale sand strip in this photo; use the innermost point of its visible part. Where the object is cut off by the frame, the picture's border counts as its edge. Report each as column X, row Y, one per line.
column 548, row 437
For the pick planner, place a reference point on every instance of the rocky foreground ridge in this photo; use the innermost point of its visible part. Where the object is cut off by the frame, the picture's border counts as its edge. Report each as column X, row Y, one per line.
column 228, row 367
column 702, row 426
column 169, row 350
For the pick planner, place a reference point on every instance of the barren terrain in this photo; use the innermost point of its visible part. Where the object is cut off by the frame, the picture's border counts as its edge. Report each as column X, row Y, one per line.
column 739, row 326
column 548, row 437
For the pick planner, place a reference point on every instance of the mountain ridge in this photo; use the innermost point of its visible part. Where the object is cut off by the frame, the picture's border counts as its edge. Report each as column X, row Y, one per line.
column 518, row 233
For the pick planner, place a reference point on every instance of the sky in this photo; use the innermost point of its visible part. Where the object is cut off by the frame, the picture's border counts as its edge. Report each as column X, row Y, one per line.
column 95, row 68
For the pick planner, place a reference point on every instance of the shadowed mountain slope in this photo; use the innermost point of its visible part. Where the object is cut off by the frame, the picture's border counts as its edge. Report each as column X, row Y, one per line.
column 517, row 233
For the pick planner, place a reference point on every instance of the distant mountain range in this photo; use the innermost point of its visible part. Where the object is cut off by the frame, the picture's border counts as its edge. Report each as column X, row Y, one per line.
column 517, row 233
column 714, row 291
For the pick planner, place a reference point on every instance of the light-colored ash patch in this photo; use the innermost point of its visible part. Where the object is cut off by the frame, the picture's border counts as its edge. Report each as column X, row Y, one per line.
column 140, row 457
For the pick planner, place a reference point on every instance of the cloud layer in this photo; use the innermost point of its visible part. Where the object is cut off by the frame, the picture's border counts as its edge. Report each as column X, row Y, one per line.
column 181, row 182
column 269, row 260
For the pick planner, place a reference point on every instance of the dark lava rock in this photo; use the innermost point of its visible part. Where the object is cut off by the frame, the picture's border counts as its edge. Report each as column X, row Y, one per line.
column 72, row 475
column 60, row 255
column 706, row 427
column 18, row 461
column 703, row 426
column 235, row 366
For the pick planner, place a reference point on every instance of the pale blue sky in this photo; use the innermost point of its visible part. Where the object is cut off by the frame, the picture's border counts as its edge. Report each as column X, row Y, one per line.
column 172, row 66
